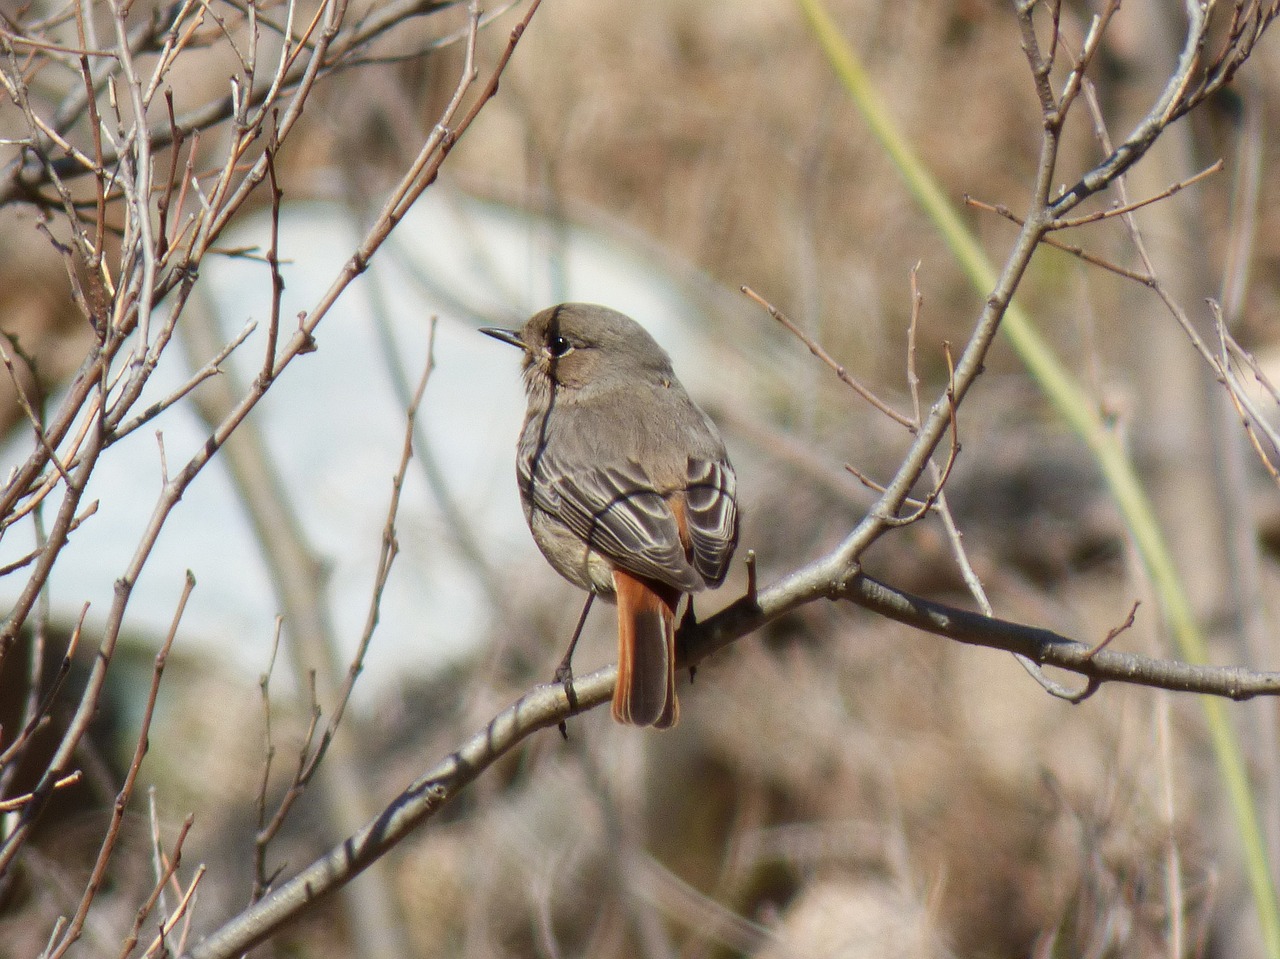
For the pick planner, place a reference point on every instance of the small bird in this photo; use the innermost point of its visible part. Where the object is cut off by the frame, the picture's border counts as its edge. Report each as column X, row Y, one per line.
column 626, row 486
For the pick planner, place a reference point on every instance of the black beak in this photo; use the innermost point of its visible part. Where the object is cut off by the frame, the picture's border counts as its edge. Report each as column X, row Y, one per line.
column 507, row 336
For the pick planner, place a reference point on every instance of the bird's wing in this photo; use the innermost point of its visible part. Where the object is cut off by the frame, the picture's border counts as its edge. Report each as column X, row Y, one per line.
column 619, row 514
column 711, row 512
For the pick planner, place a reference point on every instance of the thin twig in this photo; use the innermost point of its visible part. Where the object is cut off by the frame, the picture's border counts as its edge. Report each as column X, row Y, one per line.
column 261, row 881
column 17, row 802
column 266, row 834
column 1123, row 209
column 210, row 369
column 1116, row 630
column 875, row 487
column 816, row 349
column 943, row 474
column 390, row 546
column 1077, row 251
column 181, row 913
column 131, row 776
column 168, row 873
column 37, row 717
column 273, row 262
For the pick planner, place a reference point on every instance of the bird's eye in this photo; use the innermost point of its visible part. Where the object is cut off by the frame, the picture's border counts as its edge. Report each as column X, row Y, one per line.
column 558, row 346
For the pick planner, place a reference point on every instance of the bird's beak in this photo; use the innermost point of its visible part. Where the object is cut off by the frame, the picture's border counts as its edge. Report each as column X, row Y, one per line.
column 507, row 336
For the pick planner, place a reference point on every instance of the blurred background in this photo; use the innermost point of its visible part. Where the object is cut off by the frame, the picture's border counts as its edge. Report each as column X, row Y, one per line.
column 839, row 786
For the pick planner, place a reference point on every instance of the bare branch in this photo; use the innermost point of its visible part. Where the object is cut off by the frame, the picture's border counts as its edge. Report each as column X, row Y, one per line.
column 1122, row 209
column 96, row 878
column 17, row 802
column 545, row 706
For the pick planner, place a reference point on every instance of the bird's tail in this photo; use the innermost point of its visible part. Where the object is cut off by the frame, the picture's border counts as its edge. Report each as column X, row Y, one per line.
column 646, row 690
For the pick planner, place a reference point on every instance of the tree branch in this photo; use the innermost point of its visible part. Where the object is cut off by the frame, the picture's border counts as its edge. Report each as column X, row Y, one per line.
column 545, row 706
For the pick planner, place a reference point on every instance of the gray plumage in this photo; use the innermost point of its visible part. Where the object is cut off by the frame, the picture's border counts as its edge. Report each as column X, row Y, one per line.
column 618, row 468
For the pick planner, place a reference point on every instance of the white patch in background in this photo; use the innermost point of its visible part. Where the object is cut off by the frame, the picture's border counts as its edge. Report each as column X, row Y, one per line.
column 334, row 425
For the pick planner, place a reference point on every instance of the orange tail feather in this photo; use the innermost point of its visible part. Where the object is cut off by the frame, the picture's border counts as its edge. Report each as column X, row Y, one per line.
column 646, row 690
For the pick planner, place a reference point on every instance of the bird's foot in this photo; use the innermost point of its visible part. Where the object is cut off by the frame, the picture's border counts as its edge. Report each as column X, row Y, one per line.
column 564, row 676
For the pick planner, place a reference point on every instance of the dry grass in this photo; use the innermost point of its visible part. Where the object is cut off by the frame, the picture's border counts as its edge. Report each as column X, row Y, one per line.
column 838, row 786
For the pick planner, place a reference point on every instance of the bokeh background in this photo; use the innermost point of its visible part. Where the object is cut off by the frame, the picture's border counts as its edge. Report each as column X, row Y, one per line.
column 839, row 786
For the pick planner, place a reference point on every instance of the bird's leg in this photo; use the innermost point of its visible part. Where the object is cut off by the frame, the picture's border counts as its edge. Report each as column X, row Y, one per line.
column 564, row 672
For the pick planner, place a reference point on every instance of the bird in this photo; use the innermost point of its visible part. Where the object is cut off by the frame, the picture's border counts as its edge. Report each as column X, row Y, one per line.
column 626, row 486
